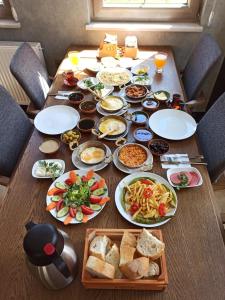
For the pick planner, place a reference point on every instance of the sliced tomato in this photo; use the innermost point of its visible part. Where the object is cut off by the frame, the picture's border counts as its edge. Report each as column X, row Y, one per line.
column 162, row 209
column 73, row 176
column 72, row 212
column 146, row 181
column 94, row 187
column 95, row 199
column 68, row 181
column 59, row 205
column 147, row 192
column 86, row 210
column 90, row 174
column 134, row 207
column 84, row 179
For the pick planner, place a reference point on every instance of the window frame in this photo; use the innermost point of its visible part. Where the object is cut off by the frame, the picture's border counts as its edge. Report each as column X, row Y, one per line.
column 5, row 10
column 183, row 14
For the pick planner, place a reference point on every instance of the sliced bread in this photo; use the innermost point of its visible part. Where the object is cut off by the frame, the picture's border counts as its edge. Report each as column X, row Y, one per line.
column 153, row 269
column 148, row 245
column 126, row 255
column 137, row 268
column 113, row 258
column 128, row 239
column 99, row 245
column 100, row 268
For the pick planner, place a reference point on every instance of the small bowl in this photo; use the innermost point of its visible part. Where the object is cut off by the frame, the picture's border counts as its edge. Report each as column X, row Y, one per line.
column 87, row 106
column 66, row 137
column 137, row 117
column 134, row 145
column 142, row 87
column 86, row 125
column 108, row 98
column 49, row 146
column 143, row 135
column 158, row 147
column 76, row 98
column 150, row 104
column 157, row 95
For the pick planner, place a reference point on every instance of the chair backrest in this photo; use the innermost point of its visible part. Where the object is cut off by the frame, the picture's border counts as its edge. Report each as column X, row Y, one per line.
column 211, row 136
column 15, row 130
column 31, row 74
column 205, row 55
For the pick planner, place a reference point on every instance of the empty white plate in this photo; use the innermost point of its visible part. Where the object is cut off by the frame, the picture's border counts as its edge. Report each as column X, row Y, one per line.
column 56, row 119
column 172, row 124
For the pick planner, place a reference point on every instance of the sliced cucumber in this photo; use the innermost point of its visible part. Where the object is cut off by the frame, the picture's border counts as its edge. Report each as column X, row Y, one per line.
column 91, row 182
column 62, row 212
column 78, row 180
column 79, row 216
column 95, row 207
column 56, row 198
column 61, row 185
column 99, row 192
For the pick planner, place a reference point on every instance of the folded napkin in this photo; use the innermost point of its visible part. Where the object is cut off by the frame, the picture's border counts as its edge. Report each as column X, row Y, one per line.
column 174, row 158
column 63, row 95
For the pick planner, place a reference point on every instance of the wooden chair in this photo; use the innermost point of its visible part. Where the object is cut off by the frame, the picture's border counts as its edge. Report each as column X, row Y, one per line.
column 32, row 76
column 15, row 131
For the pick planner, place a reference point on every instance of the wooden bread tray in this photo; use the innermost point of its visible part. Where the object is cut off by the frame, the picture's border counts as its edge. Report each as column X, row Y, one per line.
column 156, row 283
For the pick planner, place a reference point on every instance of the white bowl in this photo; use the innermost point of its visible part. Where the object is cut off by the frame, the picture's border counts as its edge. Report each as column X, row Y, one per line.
column 184, row 169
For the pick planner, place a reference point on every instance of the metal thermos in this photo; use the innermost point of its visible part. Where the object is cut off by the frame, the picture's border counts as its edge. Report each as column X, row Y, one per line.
column 50, row 255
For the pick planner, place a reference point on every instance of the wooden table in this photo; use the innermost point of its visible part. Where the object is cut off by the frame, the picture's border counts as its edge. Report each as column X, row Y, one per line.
column 194, row 246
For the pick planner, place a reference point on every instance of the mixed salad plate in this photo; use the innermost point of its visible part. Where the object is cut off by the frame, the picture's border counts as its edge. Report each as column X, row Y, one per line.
column 146, row 199
column 77, row 196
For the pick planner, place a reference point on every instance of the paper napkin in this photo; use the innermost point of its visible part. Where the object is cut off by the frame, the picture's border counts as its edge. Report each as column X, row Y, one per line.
column 175, row 158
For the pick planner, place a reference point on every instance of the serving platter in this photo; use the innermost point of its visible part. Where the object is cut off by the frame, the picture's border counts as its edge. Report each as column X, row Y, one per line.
column 172, row 124
column 155, row 283
column 56, row 119
column 114, row 76
column 62, row 179
column 119, row 195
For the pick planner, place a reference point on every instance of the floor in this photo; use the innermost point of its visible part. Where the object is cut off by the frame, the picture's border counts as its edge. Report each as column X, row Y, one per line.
column 219, row 189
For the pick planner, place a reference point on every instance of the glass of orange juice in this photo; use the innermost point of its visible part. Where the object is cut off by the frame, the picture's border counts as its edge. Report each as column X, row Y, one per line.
column 160, row 59
column 73, row 57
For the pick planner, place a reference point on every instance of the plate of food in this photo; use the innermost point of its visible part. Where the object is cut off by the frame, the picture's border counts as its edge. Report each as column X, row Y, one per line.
column 140, row 69
column 48, row 168
column 114, row 76
column 77, row 196
column 142, row 80
column 87, row 83
column 184, row 177
column 146, row 199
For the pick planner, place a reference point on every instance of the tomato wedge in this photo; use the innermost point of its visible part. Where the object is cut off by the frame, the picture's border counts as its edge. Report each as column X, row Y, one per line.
column 72, row 212
column 59, row 204
column 68, row 181
column 95, row 199
column 147, row 192
column 55, row 191
column 162, row 209
column 86, row 210
column 134, row 208
column 90, row 174
column 73, row 176
column 146, row 181
column 94, row 187
column 84, row 178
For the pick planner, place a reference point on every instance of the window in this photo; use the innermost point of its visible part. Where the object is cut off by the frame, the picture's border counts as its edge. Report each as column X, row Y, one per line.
column 146, row 10
column 5, row 10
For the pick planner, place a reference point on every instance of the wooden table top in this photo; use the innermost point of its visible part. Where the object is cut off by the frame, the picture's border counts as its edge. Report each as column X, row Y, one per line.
column 194, row 246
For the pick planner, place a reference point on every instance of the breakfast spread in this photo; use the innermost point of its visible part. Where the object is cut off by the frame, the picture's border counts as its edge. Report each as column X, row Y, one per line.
column 132, row 155
column 134, row 257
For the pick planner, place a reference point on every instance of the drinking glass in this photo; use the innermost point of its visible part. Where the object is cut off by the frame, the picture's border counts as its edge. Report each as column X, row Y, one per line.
column 73, row 57
column 160, row 61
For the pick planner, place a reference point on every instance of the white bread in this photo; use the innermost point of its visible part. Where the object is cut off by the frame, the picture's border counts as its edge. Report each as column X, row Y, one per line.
column 100, row 268
column 148, row 245
column 153, row 269
column 113, row 258
column 99, row 245
column 137, row 268
column 126, row 254
column 128, row 239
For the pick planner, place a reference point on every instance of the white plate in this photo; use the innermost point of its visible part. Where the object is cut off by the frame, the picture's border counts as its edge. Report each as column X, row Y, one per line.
column 56, row 119
column 35, row 166
column 119, row 194
column 172, row 124
column 147, row 82
column 112, row 71
column 106, row 91
column 82, row 166
column 184, row 169
column 143, row 65
column 81, row 83
column 94, row 67
column 127, row 170
column 104, row 113
column 62, row 179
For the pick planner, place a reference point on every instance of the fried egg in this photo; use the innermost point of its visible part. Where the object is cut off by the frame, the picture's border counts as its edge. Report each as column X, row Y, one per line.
column 108, row 123
column 92, row 155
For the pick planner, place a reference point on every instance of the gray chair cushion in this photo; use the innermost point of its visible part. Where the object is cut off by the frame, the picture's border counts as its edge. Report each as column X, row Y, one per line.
column 31, row 74
column 15, row 131
column 211, row 136
column 201, row 61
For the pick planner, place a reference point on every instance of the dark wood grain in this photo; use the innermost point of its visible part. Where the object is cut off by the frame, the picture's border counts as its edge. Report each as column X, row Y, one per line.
column 194, row 246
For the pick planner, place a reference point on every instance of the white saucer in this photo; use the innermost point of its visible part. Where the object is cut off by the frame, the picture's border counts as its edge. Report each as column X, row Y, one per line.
column 82, row 166
column 128, row 170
